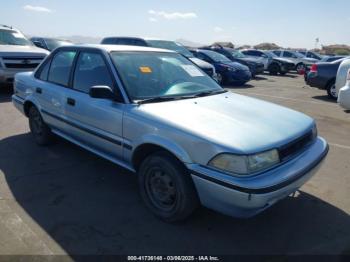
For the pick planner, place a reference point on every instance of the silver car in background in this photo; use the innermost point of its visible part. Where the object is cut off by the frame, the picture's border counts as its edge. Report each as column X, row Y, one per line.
column 17, row 54
column 155, row 113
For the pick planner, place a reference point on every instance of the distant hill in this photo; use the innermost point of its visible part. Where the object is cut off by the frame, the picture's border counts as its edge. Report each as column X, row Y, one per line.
column 267, row 46
column 336, row 50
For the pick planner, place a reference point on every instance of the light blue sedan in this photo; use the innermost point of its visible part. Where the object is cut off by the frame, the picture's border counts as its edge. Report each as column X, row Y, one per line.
column 157, row 114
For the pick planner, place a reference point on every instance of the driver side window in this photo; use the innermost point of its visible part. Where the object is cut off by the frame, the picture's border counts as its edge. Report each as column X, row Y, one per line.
column 91, row 70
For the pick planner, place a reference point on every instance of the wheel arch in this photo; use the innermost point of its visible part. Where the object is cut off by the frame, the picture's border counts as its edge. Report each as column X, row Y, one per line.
column 27, row 105
column 145, row 149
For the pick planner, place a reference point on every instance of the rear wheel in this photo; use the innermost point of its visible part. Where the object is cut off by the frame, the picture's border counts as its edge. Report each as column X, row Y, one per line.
column 40, row 131
column 332, row 91
column 166, row 187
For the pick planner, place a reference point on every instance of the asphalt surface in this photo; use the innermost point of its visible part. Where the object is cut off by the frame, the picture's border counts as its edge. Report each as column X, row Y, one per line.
column 62, row 199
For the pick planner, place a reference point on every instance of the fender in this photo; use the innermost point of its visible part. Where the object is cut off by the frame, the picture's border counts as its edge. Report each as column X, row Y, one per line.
column 167, row 144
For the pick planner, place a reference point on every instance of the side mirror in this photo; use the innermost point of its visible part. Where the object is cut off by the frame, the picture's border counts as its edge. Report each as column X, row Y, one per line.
column 102, row 92
column 38, row 44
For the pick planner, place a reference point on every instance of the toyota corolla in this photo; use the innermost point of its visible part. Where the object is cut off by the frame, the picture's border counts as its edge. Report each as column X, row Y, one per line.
column 156, row 113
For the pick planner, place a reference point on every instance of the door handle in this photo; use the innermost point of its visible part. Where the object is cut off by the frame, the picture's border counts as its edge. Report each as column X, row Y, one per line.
column 38, row 90
column 70, row 101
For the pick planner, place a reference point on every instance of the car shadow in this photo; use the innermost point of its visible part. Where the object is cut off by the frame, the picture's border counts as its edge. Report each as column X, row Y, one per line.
column 259, row 78
column 5, row 93
column 325, row 98
column 88, row 205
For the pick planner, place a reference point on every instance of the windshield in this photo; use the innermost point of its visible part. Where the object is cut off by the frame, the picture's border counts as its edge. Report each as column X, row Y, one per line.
column 270, row 54
column 215, row 56
column 156, row 74
column 299, row 55
column 237, row 54
column 171, row 45
column 11, row 37
column 54, row 43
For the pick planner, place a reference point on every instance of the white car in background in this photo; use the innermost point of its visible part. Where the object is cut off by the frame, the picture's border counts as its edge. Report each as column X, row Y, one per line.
column 300, row 61
column 342, row 74
column 344, row 93
column 17, row 54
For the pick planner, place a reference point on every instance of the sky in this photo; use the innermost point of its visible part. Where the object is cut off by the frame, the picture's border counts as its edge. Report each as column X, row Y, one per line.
column 288, row 23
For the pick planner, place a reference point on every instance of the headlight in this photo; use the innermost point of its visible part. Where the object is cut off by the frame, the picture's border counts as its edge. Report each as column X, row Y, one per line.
column 231, row 69
column 245, row 165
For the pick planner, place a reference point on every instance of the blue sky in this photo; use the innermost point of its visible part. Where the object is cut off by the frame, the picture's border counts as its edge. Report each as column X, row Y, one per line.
column 289, row 23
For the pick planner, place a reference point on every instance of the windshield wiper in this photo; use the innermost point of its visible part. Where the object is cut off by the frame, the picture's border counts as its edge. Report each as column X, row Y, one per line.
column 208, row 93
column 157, row 99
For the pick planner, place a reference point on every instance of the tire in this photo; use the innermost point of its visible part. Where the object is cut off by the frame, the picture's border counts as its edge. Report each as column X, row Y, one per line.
column 220, row 79
column 332, row 91
column 300, row 67
column 40, row 131
column 274, row 69
column 166, row 187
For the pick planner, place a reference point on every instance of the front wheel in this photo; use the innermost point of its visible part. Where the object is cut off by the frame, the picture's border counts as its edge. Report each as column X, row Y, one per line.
column 274, row 69
column 300, row 68
column 220, row 79
column 332, row 91
column 166, row 187
column 40, row 131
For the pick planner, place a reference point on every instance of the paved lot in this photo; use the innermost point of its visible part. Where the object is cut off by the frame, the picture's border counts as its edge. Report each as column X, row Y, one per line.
column 64, row 200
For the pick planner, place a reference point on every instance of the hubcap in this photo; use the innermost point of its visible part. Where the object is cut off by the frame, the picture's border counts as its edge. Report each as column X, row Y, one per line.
column 333, row 91
column 36, row 123
column 161, row 189
column 219, row 78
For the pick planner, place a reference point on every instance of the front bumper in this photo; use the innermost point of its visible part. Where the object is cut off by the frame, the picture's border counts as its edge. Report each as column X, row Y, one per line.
column 239, row 76
column 248, row 196
column 18, row 102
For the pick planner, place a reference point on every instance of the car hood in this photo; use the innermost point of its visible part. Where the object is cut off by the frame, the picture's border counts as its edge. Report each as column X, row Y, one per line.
column 237, row 123
column 235, row 65
column 201, row 63
column 15, row 50
column 250, row 60
column 308, row 60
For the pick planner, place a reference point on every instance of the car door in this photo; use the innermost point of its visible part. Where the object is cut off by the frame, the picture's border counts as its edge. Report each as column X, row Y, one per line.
column 96, row 123
column 52, row 82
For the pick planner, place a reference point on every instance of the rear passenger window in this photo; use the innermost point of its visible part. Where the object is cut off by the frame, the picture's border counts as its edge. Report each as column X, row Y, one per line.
column 61, row 66
column 91, row 70
column 44, row 71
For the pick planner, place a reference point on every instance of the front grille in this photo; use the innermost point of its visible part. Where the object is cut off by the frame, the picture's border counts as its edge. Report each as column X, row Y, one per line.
column 23, row 58
column 24, row 66
column 21, row 62
column 208, row 71
column 295, row 146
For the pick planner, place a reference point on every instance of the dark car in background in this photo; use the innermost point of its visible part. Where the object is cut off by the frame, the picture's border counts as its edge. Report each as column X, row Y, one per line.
column 164, row 44
column 272, row 63
column 323, row 75
column 49, row 43
column 228, row 72
column 255, row 65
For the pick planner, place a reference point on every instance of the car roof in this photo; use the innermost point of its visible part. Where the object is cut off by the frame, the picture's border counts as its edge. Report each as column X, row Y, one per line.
column 111, row 48
column 6, row 27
